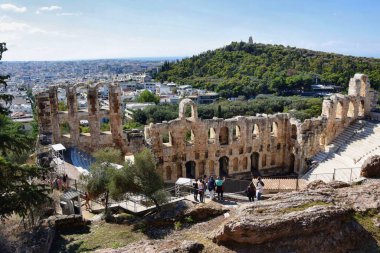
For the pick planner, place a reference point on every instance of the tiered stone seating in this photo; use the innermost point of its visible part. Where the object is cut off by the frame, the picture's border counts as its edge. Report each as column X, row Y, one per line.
column 348, row 150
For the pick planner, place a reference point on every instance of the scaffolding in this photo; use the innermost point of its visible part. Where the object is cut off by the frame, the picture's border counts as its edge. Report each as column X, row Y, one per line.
column 57, row 155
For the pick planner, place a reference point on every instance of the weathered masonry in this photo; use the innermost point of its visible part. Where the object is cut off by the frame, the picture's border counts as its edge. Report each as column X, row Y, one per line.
column 51, row 120
column 265, row 144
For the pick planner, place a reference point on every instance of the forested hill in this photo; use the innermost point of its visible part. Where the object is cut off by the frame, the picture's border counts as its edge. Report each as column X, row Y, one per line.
column 249, row 69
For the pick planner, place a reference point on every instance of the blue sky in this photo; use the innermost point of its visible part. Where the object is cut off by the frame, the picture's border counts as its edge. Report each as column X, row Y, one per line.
column 89, row 29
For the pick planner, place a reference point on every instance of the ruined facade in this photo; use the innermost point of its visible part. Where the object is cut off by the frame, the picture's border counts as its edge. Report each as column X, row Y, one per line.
column 261, row 144
column 51, row 120
column 191, row 147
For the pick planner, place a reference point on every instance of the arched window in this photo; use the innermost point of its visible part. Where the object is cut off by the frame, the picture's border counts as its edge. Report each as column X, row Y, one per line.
column 189, row 137
column 223, row 136
column 361, row 109
column 264, row 161
column 167, row 138
column 211, row 167
column 274, row 129
column 244, row 163
column 339, row 110
column 179, row 170
column 236, row 133
column 351, row 110
column 255, row 131
column 168, row 173
column 211, row 135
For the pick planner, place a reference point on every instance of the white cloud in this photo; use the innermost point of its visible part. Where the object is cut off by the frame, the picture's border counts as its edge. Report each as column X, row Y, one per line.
column 70, row 14
column 12, row 8
column 11, row 26
column 48, row 9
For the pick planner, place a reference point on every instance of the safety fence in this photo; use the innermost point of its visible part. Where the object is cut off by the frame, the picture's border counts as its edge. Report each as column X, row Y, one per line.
column 347, row 175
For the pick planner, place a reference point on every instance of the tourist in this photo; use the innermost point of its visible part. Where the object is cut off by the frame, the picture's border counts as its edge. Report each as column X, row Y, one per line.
column 64, row 180
column 259, row 188
column 195, row 189
column 201, row 190
column 87, row 200
column 251, row 192
column 219, row 187
column 211, row 187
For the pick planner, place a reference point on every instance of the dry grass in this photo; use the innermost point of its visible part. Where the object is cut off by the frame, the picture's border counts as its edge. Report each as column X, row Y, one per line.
column 97, row 236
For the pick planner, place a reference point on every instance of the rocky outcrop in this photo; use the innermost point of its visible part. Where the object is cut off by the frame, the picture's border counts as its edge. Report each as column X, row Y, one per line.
column 371, row 167
column 203, row 212
column 318, row 219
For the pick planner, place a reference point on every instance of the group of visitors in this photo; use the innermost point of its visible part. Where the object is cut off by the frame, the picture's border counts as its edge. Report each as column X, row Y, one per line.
column 255, row 189
column 201, row 185
column 60, row 183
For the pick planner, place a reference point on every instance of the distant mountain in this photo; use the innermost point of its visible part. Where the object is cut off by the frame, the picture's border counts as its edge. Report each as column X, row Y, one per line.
column 249, row 69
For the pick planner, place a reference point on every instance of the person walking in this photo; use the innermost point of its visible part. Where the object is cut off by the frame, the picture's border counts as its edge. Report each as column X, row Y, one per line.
column 195, row 189
column 251, row 192
column 211, row 187
column 219, row 187
column 259, row 188
column 201, row 190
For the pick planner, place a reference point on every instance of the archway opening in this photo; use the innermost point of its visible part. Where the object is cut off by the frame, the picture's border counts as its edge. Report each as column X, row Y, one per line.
column 81, row 96
column 264, row 161
column 351, row 110
column 189, row 137
column 190, row 169
column 211, row 168
column 211, row 135
column 179, row 170
column 255, row 132
column 223, row 166
column 167, row 138
column 339, row 110
column 274, row 129
column 223, row 136
column 255, row 162
column 236, row 133
column 361, row 109
column 244, row 163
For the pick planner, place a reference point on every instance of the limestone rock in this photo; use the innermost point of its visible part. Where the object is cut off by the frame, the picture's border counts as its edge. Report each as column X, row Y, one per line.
column 317, row 184
column 371, row 167
column 338, row 184
column 191, row 247
column 205, row 211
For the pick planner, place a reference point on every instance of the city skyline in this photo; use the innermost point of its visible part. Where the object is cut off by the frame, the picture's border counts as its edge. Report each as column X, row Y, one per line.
column 70, row 30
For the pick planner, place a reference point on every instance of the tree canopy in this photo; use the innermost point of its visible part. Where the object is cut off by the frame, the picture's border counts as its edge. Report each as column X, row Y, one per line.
column 148, row 97
column 250, row 69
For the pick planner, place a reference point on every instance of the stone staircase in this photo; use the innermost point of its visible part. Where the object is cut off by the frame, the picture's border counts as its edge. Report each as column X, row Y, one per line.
column 343, row 158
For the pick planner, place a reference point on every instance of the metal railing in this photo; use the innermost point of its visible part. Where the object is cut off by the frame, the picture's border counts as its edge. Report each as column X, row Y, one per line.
column 347, row 175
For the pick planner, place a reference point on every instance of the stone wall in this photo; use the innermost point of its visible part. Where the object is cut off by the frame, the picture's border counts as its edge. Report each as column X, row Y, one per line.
column 261, row 144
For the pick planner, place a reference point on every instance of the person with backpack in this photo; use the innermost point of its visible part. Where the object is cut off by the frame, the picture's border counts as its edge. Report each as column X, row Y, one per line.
column 219, row 187
column 211, row 187
column 259, row 188
column 251, row 192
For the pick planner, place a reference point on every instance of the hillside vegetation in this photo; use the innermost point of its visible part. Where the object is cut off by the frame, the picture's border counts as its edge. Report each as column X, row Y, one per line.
column 249, row 69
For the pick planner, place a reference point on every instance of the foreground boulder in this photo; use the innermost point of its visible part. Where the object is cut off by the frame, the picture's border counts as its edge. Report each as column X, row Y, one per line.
column 371, row 167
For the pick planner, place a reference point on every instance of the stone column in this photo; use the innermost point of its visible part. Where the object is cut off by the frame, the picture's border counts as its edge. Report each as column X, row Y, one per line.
column 116, row 117
column 72, row 116
column 44, row 113
column 54, row 114
column 93, row 118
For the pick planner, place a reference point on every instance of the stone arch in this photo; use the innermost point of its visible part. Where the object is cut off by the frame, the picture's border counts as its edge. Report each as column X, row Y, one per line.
column 255, row 131
column 182, row 109
column 211, row 135
column 244, row 163
column 294, row 132
column 274, row 129
column 211, row 167
column 322, row 140
column 190, row 169
column 351, row 110
column 255, row 157
column 273, row 159
column 179, row 170
column 237, row 133
column 223, row 166
column 168, row 173
column 361, row 112
column 235, row 164
column 202, row 168
column 339, row 110
column 223, row 136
